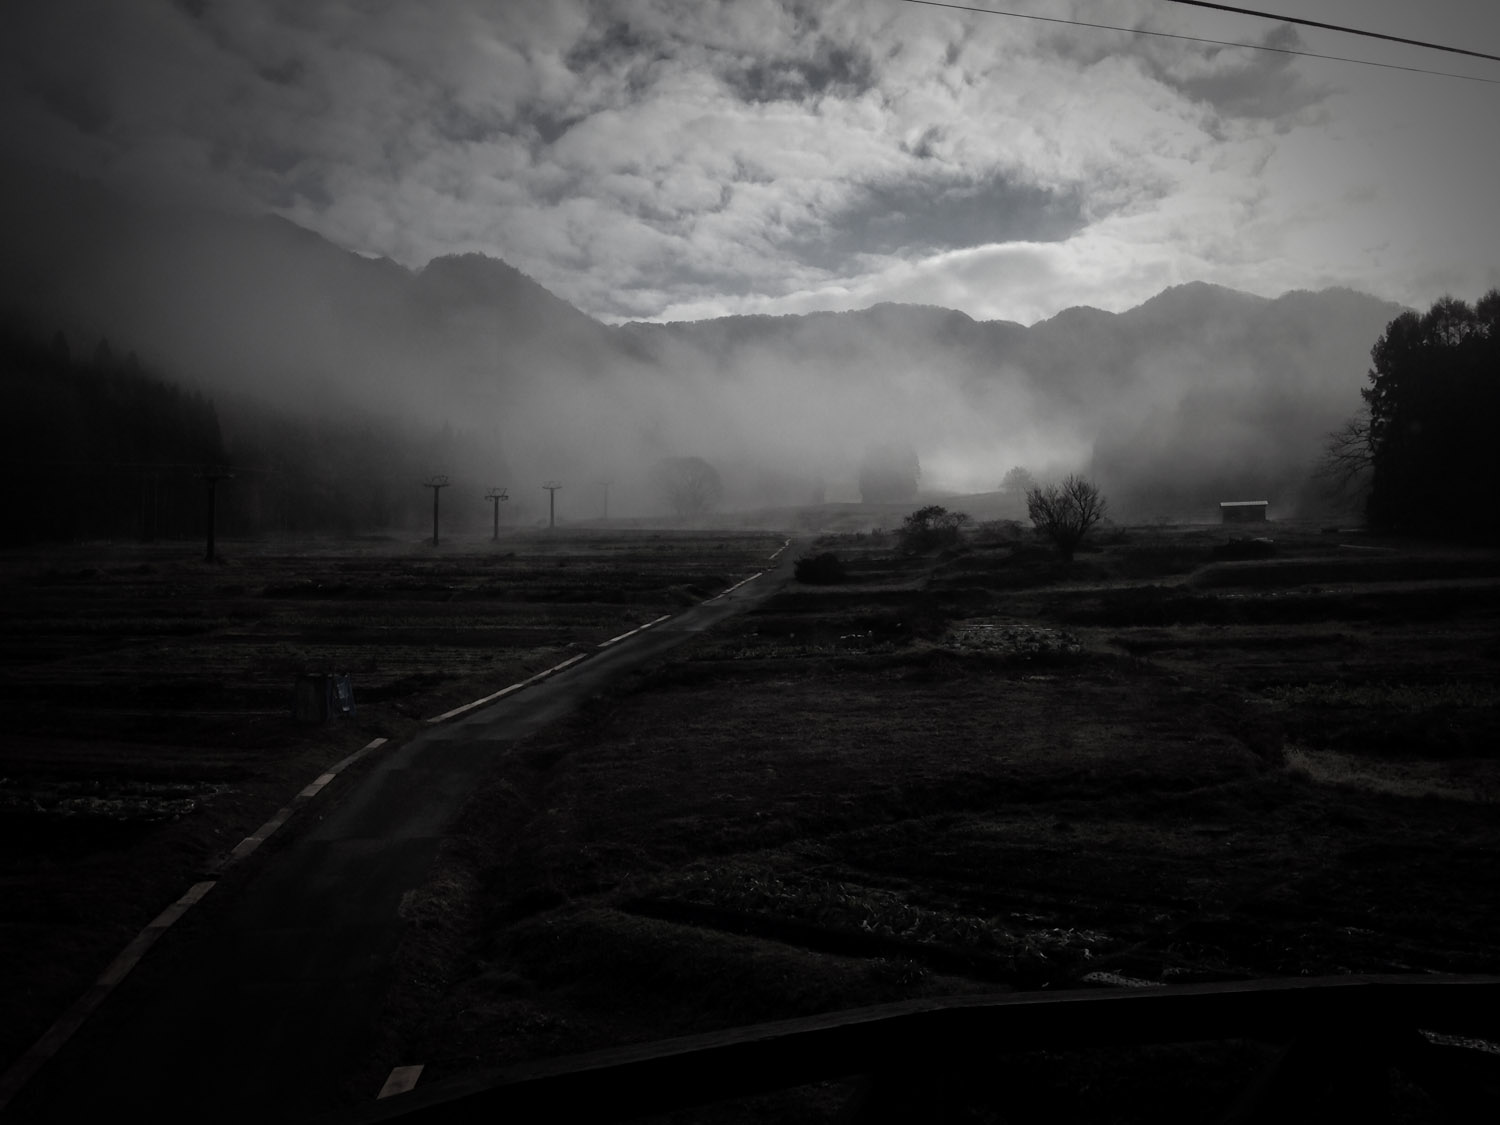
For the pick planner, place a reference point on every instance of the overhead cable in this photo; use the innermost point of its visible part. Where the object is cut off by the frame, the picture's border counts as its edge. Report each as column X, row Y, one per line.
column 1335, row 27
column 1201, row 39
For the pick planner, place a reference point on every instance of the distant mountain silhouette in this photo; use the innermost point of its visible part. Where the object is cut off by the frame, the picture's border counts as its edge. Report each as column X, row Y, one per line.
column 1199, row 391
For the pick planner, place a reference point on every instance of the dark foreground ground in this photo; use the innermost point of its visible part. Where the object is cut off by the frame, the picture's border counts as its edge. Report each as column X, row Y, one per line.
column 146, row 696
column 984, row 771
column 966, row 772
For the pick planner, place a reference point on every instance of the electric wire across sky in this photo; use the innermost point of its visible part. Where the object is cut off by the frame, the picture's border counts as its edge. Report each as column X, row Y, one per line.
column 1231, row 43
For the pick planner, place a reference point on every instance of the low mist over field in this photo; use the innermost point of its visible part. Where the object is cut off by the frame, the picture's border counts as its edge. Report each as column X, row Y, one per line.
column 1198, row 394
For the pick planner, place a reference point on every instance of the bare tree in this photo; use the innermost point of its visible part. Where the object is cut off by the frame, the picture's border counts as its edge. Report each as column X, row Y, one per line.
column 1065, row 512
column 690, row 484
column 1349, row 457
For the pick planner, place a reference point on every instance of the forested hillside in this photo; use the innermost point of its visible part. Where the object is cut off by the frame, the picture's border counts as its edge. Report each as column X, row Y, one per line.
column 99, row 445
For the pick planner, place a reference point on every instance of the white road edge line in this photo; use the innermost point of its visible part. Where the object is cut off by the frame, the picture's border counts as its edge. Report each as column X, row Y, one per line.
column 64, row 1026
column 633, row 632
column 69, row 1022
column 512, row 688
column 732, row 589
column 400, row 1080
column 501, row 694
column 248, row 845
column 552, row 671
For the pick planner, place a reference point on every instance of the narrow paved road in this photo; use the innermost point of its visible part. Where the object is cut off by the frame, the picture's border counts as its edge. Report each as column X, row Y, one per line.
column 263, row 1006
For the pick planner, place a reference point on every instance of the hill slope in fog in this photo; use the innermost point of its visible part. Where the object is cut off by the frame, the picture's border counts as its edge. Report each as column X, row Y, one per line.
column 1200, row 394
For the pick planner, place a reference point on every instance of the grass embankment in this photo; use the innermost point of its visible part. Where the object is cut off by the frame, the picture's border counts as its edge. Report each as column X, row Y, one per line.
column 983, row 771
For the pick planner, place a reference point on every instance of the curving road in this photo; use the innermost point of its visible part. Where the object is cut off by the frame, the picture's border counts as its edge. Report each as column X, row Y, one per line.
column 268, row 1002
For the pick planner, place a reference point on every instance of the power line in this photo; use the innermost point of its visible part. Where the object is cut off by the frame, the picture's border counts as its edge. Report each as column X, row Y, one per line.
column 1200, row 39
column 1335, row 27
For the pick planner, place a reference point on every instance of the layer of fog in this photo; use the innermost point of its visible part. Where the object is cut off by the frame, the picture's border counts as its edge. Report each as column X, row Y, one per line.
column 785, row 408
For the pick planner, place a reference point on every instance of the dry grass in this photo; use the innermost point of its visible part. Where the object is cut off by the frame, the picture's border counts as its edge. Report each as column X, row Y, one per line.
column 947, row 774
column 145, row 698
column 952, row 776
column 1466, row 780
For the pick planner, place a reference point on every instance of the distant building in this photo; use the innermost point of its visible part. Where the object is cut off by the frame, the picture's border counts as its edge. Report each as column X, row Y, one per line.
column 1243, row 511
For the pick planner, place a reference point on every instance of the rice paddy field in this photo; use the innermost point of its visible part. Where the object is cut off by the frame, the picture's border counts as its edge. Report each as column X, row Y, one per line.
column 1176, row 759
column 984, row 770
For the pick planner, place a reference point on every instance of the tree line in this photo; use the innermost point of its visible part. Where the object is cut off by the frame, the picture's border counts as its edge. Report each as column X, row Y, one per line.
column 99, row 445
column 1423, row 450
column 95, row 445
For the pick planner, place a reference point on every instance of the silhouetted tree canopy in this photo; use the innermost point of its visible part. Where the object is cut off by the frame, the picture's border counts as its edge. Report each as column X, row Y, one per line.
column 1017, row 482
column 889, row 473
column 932, row 526
column 1434, row 419
column 689, row 484
column 97, row 447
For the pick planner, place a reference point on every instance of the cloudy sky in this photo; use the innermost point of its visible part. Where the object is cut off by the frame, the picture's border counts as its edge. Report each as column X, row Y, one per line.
column 678, row 159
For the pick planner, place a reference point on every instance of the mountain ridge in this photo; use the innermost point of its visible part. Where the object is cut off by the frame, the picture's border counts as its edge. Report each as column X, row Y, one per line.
column 260, row 305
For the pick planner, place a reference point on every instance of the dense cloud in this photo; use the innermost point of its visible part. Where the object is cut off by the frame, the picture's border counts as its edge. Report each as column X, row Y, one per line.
column 668, row 159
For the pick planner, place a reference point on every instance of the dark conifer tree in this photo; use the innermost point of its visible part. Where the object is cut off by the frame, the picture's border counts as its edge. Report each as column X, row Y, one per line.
column 1434, row 403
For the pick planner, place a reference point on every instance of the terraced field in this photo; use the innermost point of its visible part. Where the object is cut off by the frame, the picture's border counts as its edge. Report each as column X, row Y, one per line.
column 983, row 770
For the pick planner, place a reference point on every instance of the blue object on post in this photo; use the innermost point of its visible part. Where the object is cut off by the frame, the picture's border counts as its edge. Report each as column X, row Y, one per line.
column 342, row 695
column 319, row 696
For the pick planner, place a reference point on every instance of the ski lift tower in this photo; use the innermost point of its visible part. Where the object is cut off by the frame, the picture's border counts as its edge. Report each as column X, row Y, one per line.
column 495, row 495
column 437, row 483
column 552, row 486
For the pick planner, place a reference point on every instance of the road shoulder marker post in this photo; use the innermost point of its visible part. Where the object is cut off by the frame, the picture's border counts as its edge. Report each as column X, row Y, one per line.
column 400, row 1080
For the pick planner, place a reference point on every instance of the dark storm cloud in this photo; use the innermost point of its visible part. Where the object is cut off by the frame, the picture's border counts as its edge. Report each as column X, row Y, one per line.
column 1235, row 81
column 692, row 157
column 844, row 70
column 1243, row 83
column 288, row 73
column 615, row 44
column 925, row 146
column 925, row 216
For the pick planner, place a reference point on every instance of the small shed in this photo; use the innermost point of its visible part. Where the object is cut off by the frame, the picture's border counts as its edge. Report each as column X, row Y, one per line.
column 1243, row 511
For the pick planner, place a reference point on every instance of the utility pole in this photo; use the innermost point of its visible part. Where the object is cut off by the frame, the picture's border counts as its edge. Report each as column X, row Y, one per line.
column 604, row 484
column 212, row 475
column 150, row 505
column 437, row 483
column 552, row 486
column 496, row 495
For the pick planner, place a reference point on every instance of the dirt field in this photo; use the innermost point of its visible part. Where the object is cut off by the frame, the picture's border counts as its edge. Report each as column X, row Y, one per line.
column 146, row 698
column 984, row 770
